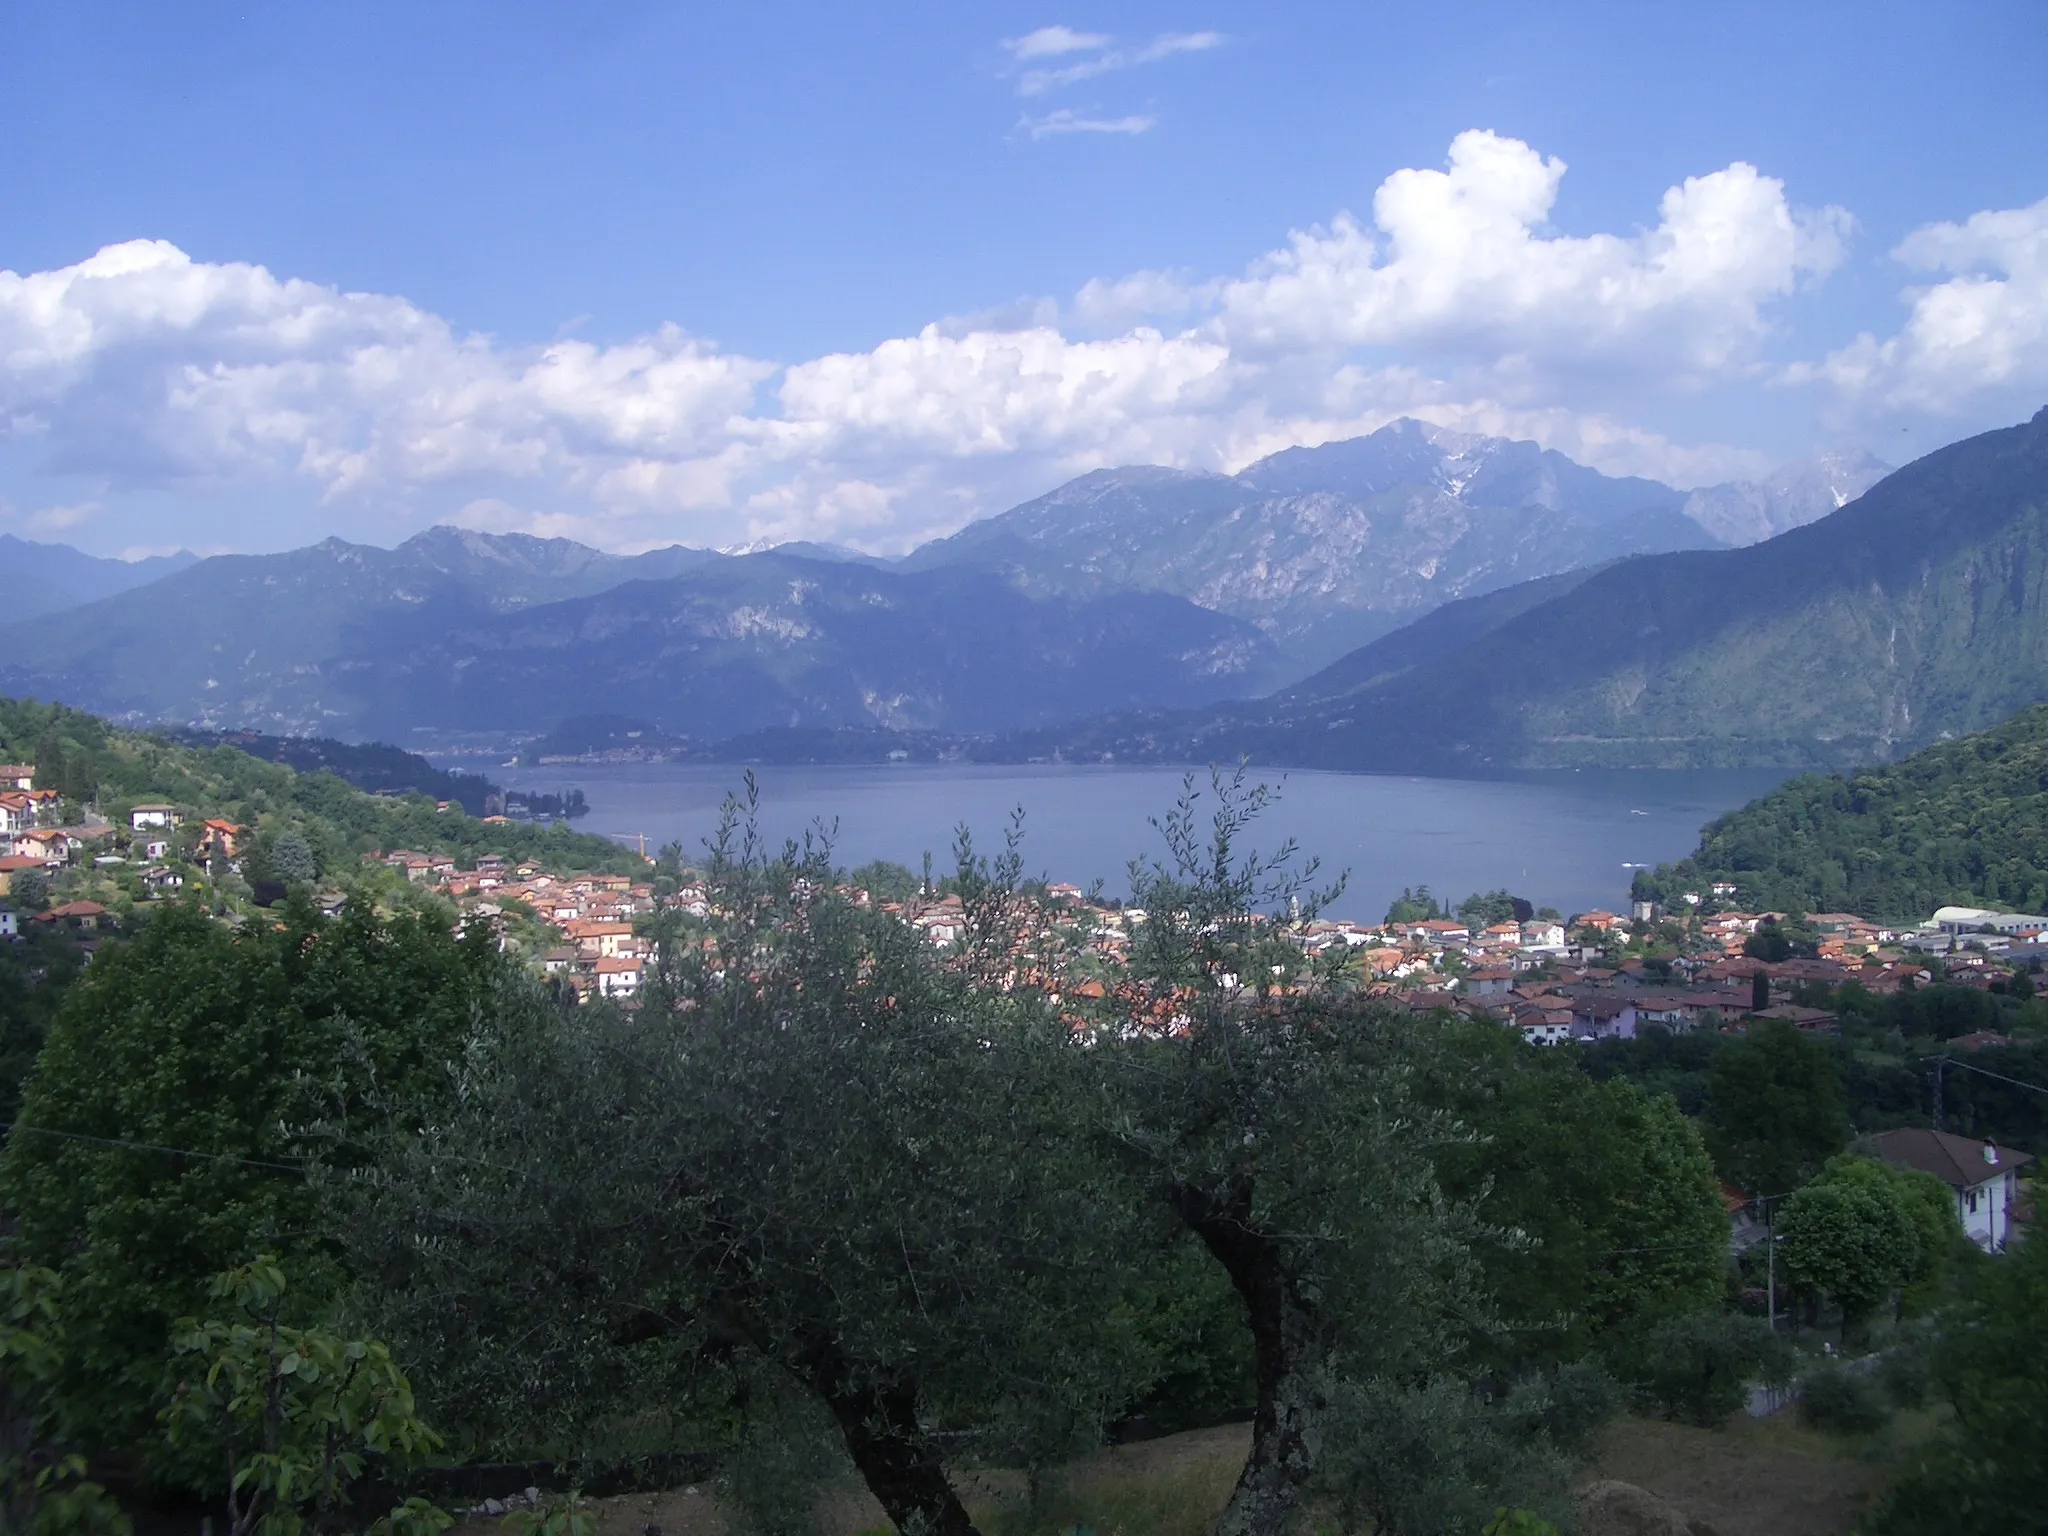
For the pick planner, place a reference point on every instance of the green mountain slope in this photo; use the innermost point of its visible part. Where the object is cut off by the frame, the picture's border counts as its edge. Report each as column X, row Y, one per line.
column 1962, row 823
column 85, row 757
column 1919, row 609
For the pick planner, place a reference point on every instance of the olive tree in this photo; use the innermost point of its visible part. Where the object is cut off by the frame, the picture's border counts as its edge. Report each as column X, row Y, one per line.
column 817, row 1155
column 1277, row 1119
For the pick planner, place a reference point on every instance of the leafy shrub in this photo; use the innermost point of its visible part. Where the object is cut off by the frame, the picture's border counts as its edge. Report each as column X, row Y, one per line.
column 1568, row 1407
column 1697, row 1369
column 1843, row 1402
column 1906, row 1374
column 1418, row 1461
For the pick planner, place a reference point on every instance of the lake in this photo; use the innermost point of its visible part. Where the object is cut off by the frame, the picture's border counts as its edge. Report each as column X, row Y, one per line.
column 1559, row 839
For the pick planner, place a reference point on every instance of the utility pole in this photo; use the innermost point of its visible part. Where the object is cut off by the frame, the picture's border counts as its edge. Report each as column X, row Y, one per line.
column 1940, row 1098
column 1771, row 1265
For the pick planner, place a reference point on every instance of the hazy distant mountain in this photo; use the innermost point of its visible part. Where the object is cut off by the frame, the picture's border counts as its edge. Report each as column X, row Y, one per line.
column 1917, row 611
column 1326, row 547
column 768, row 640
column 1748, row 512
column 48, row 578
column 240, row 640
column 459, row 630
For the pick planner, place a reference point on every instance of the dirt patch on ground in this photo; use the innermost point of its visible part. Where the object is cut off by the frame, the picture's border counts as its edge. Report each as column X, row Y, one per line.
column 1762, row 1477
column 1755, row 1478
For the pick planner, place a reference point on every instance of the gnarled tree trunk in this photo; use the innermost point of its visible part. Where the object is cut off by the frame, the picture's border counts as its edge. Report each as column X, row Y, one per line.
column 889, row 1447
column 1288, row 1354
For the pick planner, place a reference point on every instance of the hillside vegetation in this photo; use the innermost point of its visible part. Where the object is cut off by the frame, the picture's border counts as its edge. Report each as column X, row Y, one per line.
column 85, row 758
column 1963, row 823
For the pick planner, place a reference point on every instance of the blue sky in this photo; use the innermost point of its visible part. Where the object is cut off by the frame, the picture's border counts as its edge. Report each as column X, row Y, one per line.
column 659, row 273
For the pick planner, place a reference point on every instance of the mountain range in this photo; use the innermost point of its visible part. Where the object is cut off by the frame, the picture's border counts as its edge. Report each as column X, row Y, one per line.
column 459, row 631
column 1326, row 548
column 48, row 578
column 1916, row 612
column 1125, row 591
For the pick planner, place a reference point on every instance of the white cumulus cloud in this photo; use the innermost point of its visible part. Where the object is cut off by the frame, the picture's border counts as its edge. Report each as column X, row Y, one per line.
column 1458, row 263
column 140, row 367
column 145, row 366
column 1974, row 345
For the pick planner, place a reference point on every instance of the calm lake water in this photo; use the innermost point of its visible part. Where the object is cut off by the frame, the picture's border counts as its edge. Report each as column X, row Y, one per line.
column 1560, row 839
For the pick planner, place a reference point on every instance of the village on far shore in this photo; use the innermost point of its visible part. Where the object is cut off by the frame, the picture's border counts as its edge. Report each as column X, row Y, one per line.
column 1594, row 975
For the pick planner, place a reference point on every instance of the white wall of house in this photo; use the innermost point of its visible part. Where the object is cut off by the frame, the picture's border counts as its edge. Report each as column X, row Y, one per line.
column 1986, row 1210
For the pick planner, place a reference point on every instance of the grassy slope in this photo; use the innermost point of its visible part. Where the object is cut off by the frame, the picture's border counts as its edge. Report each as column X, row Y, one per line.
column 1755, row 1478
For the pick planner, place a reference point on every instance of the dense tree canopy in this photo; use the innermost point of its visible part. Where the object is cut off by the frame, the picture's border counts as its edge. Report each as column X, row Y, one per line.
column 1985, row 1475
column 814, row 1160
column 1963, row 823
column 188, row 1078
column 1607, row 1214
column 1775, row 1112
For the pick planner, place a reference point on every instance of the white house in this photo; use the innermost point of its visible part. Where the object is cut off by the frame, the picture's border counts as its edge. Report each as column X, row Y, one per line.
column 1984, row 1176
column 144, row 817
column 618, row 977
column 9, row 924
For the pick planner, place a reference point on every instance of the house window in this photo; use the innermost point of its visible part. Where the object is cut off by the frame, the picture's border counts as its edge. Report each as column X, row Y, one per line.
column 1973, row 1202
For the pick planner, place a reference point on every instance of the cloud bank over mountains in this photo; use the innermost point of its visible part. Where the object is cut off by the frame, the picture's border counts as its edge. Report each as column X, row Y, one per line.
column 141, row 369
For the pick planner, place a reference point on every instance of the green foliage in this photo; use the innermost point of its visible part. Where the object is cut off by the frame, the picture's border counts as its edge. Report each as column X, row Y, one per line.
column 1906, row 1371
column 886, row 881
column 283, row 856
column 1603, row 1200
column 1957, row 824
column 1698, row 1368
column 1770, row 944
column 339, row 822
column 1407, row 1460
column 1416, row 906
column 1843, row 1402
column 36, row 970
column 1861, row 1231
column 294, row 1414
column 1483, row 909
column 30, row 889
column 43, row 1487
column 190, row 1076
column 567, row 1514
column 1280, row 1123
column 1985, row 1473
column 1775, row 1112
column 815, row 1152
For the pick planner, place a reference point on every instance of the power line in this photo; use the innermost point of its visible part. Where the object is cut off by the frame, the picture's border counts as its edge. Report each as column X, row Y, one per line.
column 143, row 1146
column 1944, row 1062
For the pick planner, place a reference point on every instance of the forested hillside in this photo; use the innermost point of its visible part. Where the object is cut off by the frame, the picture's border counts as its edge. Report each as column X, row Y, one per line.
column 1965, row 822
column 86, row 759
